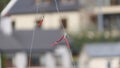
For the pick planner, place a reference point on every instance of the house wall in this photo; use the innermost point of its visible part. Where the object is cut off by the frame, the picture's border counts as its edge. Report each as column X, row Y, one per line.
column 107, row 10
column 6, row 25
column 98, row 62
column 85, row 21
column 20, row 59
column 51, row 21
column 102, row 62
column 106, row 7
column 83, row 59
column 115, row 62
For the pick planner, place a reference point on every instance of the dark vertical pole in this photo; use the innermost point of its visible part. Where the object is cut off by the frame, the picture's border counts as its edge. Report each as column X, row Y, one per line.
column 119, row 63
column 3, row 60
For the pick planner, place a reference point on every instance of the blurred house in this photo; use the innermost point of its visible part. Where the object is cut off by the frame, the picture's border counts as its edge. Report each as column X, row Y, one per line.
column 104, row 14
column 75, row 15
column 18, row 21
column 24, row 14
column 18, row 44
column 103, row 55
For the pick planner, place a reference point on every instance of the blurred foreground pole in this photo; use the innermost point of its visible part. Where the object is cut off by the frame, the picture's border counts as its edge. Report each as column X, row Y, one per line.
column 66, row 57
column 20, row 60
column 0, row 54
column 50, row 61
column 100, row 16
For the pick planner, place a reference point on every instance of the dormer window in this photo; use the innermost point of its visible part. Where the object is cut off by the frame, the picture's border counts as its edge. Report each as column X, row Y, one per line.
column 64, row 23
column 13, row 24
column 115, row 2
column 43, row 2
column 37, row 2
column 68, row 2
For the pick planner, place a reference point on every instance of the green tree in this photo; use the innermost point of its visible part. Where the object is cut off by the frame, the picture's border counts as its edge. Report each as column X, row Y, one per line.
column 3, row 3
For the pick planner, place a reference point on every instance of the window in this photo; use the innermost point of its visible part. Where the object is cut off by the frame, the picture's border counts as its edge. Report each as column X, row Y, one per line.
column 93, row 23
column 112, row 22
column 34, row 61
column 68, row 2
column 109, row 64
column 107, row 24
column 115, row 2
column 37, row 24
column 7, row 60
column 64, row 23
column 94, row 19
column 47, row 2
column 37, row 60
column 13, row 24
column 37, row 2
column 58, row 60
column 39, row 21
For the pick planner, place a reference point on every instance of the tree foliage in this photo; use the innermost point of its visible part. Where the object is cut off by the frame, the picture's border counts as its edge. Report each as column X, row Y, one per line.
column 3, row 3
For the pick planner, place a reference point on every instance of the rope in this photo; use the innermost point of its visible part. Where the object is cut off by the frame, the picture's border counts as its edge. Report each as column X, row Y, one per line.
column 31, row 47
column 57, row 8
column 33, row 34
column 64, row 31
column 32, row 42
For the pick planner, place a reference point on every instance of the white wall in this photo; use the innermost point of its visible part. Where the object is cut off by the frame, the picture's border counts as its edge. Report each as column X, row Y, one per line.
column 82, row 59
column 115, row 62
column 97, row 62
column 51, row 21
column 24, row 22
column 6, row 25
column 102, row 62
column 107, row 10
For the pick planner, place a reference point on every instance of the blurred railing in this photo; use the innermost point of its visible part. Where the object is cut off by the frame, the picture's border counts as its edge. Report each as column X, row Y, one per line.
column 27, row 67
column 113, row 35
column 33, row 67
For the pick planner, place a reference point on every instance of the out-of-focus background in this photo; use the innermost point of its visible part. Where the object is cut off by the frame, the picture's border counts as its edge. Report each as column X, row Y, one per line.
column 92, row 27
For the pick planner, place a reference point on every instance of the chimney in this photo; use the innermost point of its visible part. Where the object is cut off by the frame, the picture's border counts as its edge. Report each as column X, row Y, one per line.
column 6, row 26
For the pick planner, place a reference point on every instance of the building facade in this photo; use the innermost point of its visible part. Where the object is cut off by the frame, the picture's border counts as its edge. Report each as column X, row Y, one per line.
column 102, row 55
column 106, row 11
column 25, row 14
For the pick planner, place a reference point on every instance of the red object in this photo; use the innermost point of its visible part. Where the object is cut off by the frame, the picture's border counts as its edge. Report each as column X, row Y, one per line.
column 40, row 22
column 67, row 43
column 62, row 38
column 55, row 43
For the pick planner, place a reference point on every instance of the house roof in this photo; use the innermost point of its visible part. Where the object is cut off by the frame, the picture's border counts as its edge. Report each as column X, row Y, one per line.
column 8, row 42
column 103, row 49
column 28, row 6
column 21, row 40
